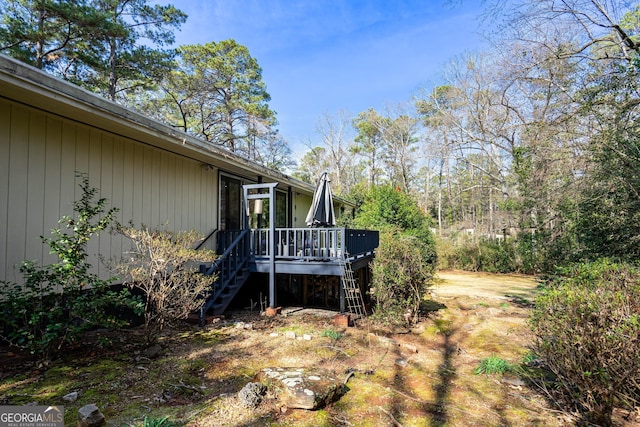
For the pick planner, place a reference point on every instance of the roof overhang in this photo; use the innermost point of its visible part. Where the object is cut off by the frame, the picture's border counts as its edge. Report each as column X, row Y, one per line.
column 32, row 87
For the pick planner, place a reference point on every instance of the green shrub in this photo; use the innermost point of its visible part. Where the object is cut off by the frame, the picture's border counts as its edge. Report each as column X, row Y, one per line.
column 533, row 252
column 385, row 206
column 402, row 273
column 59, row 301
column 587, row 328
column 406, row 258
column 484, row 254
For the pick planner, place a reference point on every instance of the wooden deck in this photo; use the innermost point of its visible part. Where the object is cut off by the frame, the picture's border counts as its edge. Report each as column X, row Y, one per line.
column 313, row 251
column 319, row 252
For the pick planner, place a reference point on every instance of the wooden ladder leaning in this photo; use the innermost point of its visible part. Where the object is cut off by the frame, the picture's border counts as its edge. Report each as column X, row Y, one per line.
column 353, row 295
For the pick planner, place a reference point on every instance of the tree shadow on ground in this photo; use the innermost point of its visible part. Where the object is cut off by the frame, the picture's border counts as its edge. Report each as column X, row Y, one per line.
column 446, row 373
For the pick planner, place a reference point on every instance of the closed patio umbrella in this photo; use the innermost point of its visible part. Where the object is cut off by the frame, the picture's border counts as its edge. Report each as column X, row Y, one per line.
column 321, row 211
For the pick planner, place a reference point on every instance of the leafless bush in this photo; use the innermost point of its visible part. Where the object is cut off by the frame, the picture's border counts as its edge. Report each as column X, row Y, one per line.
column 164, row 267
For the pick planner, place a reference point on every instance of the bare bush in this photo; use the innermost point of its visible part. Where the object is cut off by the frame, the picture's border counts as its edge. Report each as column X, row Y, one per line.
column 164, row 267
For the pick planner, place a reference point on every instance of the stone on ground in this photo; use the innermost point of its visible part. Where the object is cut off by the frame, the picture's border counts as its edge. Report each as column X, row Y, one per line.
column 302, row 388
column 251, row 394
column 90, row 416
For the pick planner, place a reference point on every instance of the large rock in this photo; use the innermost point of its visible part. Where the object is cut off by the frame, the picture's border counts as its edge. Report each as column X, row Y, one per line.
column 251, row 394
column 90, row 416
column 302, row 388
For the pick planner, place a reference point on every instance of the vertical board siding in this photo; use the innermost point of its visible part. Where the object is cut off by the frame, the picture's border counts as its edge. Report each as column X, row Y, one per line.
column 40, row 154
column 34, row 185
column 18, row 141
column 156, row 171
column 146, row 188
column 53, row 155
column 95, row 173
column 163, row 185
column 5, row 134
column 105, row 184
column 301, row 206
column 117, row 190
column 126, row 204
column 67, row 184
column 137, row 184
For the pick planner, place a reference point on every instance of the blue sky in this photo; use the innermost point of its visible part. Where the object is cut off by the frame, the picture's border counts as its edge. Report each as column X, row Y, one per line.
column 322, row 56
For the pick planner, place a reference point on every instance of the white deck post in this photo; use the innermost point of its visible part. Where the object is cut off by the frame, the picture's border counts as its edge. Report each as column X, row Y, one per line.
column 272, row 229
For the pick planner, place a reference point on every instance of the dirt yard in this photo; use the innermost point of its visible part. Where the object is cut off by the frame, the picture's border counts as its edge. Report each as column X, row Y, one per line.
column 422, row 376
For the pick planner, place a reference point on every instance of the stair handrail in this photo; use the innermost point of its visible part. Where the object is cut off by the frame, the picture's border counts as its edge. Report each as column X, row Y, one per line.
column 227, row 273
column 225, row 255
column 203, row 241
column 239, row 247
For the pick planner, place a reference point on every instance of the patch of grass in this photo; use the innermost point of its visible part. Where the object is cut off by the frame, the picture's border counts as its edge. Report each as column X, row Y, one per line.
column 194, row 365
column 362, row 399
column 319, row 418
column 444, row 326
column 206, row 337
column 493, row 365
column 486, row 338
column 330, row 333
column 529, row 357
column 107, row 370
column 158, row 422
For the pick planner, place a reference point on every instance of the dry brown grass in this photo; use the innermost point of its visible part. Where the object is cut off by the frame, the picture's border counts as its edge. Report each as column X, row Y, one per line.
column 394, row 383
column 419, row 377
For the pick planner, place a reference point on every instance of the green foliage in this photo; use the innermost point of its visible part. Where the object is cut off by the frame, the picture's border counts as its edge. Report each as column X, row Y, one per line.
column 608, row 224
column 158, row 422
column 406, row 258
column 529, row 358
column 490, row 255
column 369, row 143
column 402, row 273
column 587, row 328
column 164, row 267
column 385, row 206
column 59, row 301
column 393, row 210
column 93, row 43
column 216, row 92
column 493, row 365
column 120, row 63
column 330, row 333
column 41, row 42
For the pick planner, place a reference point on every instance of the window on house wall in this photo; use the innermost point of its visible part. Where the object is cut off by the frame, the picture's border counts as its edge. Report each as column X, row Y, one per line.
column 231, row 195
column 281, row 209
column 230, row 203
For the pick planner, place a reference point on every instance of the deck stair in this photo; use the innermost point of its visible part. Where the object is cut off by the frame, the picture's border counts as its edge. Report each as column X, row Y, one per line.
column 353, row 295
column 232, row 270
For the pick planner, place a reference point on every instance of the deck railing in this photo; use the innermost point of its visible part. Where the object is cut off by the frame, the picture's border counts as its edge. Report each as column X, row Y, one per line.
column 314, row 243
